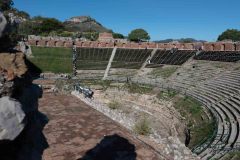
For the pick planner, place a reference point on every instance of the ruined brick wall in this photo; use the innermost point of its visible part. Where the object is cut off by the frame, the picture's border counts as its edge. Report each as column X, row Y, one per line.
column 68, row 42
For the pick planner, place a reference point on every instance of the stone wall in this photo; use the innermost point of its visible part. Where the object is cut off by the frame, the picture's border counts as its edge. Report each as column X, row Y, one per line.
column 167, row 146
column 68, row 42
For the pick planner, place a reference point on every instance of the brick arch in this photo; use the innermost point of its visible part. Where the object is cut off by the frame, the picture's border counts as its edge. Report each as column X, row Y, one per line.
column 234, row 46
column 191, row 46
column 90, row 44
column 46, row 43
column 183, row 46
column 64, row 43
column 37, row 43
column 223, row 47
column 212, row 46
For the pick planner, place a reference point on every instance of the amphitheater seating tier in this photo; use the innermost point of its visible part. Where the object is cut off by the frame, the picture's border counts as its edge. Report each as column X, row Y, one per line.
column 130, row 58
column 170, row 57
column 213, row 78
column 228, row 56
column 93, row 58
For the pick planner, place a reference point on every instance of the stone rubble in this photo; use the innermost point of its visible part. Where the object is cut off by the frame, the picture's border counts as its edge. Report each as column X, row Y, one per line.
column 170, row 147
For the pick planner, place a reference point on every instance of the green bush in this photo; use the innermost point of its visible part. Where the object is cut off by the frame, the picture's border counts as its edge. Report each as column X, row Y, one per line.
column 166, row 95
column 114, row 105
column 163, row 72
column 137, row 88
column 142, row 127
column 200, row 126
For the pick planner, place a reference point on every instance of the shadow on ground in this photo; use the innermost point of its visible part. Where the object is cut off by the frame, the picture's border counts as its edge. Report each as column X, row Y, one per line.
column 112, row 147
column 33, row 69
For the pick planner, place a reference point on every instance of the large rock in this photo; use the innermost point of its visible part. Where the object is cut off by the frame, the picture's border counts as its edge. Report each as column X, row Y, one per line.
column 12, row 72
column 21, row 123
column 11, row 118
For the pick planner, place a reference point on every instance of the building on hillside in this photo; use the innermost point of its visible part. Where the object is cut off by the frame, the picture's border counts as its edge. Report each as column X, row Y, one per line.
column 118, row 40
column 106, row 37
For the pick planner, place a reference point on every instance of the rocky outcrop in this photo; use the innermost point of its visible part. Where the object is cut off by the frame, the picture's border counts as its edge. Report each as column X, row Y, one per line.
column 21, row 123
column 84, row 24
column 3, row 23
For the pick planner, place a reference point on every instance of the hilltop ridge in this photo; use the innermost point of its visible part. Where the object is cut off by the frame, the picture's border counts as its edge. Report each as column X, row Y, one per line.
column 84, row 24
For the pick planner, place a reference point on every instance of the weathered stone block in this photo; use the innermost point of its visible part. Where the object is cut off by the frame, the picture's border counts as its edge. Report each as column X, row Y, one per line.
column 11, row 118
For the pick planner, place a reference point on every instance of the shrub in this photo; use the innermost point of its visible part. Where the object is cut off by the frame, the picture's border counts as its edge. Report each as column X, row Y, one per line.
column 163, row 72
column 114, row 105
column 142, row 127
column 136, row 88
column 166, row 95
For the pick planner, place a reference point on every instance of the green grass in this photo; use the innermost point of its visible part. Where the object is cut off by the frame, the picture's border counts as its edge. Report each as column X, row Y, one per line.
column 166, row 95
column 105, row 84
column 163, row 72
column 114, row 105
column 137, row 88
column 232, row 156
column 56, row 60
column 92, row 65
column 200, row 126
column 220, row 65
column 237, row 68
column 126, row 65
column 142, row 127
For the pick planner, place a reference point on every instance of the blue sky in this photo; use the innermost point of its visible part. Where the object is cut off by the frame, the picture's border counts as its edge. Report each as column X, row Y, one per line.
column 200, row 19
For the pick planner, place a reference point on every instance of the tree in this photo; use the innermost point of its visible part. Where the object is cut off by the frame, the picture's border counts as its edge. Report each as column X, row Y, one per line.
column 118, row 36
column 26, row 28
column 41, row 26
column 138, row 35
column 6, row 5
column 232, row 34
column 49, row 24
column 93, row 36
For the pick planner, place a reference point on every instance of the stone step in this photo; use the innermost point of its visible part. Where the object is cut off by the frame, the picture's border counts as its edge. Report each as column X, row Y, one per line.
column 204, row 97
column 235, row 109
column 216, row 90
column 209, row 91
column 228, row 83
column 233, row 124
column 221, row 87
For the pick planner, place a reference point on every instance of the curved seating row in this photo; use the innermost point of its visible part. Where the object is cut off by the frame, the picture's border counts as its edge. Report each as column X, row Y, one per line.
column 222, row 94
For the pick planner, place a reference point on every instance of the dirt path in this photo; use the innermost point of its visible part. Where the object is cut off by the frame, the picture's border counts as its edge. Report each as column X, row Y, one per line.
column 77, row 132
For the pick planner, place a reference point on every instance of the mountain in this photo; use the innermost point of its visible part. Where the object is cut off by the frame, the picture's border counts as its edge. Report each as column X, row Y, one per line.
column 84, row 24
column 182, row 40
